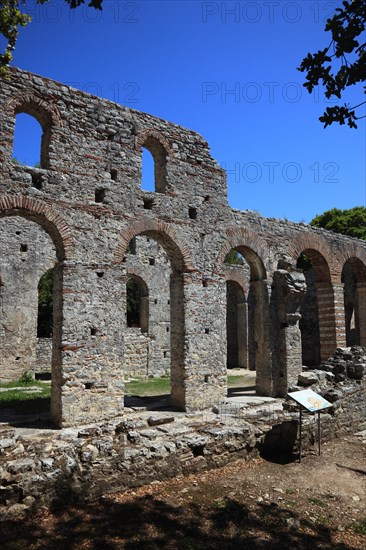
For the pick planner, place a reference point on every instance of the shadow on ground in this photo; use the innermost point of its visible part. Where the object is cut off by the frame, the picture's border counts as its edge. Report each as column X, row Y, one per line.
column 152, row 524
column 238, row 391
column 33, row 413
column 150, row 403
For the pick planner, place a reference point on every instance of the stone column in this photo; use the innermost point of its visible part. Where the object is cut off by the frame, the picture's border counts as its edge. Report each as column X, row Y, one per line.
column 361, row 301
column 88, row 370
column 242, row 335
column 331, row 328
column 205, row 373
column 177, row 340
column 339, row 315
column 262, row 346
column 289, row 292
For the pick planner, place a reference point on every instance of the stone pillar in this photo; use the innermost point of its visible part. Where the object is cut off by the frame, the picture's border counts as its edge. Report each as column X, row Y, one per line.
column 88, row 368
column 339, row 315
column 331, row 325
column 289, row 290
column 177, row 329
column 205, row 373
column 242, row 335
column 361, row 301
column 262, row 346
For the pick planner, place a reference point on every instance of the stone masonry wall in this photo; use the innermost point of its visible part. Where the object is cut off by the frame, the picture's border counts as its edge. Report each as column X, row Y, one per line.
column 86, row 202
column 81, row 464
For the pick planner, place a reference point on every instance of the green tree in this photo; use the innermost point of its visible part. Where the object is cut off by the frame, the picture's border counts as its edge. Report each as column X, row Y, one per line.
column 13, row 16
column 234, row 258
column 342, row 63
column 45, row 305
column 350, row 222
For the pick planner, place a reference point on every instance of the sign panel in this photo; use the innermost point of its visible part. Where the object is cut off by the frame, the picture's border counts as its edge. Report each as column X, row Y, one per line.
column 312, row 401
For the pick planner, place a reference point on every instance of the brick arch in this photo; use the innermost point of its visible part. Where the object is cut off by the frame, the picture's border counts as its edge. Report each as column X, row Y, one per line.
column 252, row 247
column 149, row 134
column 355, row 255
column 43, row 215
column 320, row 253
column 236, row 277
column 42, row 109
column 358, row 268
column 179, row 252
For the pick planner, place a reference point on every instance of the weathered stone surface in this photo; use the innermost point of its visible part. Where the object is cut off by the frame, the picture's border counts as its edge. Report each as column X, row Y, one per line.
column 84, row 214
column 308, row 378
column 355, row 372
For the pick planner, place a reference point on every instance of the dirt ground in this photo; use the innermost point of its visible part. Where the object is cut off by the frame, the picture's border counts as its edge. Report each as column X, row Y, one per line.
column 258, row 504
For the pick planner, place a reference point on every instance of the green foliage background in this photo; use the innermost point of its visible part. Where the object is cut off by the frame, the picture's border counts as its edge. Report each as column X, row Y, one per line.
column 350, row 222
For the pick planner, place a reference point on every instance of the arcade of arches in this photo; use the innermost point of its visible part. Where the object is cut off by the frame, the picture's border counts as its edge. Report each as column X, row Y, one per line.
column 145, row 283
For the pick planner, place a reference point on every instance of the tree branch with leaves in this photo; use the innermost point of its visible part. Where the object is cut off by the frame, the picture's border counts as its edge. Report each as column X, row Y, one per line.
column 342, row 63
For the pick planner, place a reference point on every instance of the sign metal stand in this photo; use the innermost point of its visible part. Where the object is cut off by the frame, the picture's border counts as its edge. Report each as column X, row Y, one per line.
column 312, row 402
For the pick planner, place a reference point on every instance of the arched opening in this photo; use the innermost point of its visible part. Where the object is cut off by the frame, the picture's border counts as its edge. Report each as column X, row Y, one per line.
column 153, row 342
column 29, row 264
column 236, row 326
column 247, row 317
column 27, row 141
column 154, row 165
column 354, row 284
column 43, row 365
column 147, row 171
column 317, row 323
column 137, row 304
column 45, row 305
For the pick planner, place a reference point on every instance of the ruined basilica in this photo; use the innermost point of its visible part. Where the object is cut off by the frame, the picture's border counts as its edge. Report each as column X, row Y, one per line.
column 83, row 215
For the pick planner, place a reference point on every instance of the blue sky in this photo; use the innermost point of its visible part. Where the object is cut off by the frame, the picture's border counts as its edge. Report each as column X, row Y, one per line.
column 224, row 69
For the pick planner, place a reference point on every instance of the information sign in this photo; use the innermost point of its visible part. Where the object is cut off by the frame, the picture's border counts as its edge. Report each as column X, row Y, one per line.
column 312, row 401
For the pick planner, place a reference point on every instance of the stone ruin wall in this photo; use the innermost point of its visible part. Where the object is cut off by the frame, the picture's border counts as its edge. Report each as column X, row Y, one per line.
column 79, row 464
column 147, row 352
column 85, row 205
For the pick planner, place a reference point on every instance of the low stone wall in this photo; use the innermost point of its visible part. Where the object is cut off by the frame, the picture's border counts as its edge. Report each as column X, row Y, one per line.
column 79, row 464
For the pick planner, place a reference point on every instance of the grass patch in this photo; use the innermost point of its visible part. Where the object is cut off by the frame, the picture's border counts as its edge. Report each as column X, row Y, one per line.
column 246, row 380
column 149, row 386
column 144, row 387
column 22, row 399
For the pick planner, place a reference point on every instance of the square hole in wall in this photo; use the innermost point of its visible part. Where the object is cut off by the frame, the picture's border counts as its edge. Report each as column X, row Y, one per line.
column 114, row 174
column 37, row 181
column 204, row 283
column 100, row 195
column 192, row 212
column 148, row 203
column 23, row 248
column 151, row 261
column 207, row 331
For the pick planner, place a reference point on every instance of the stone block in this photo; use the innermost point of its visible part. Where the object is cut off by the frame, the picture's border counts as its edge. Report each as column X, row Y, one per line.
column 308, row 378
